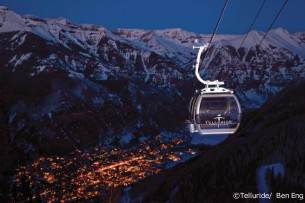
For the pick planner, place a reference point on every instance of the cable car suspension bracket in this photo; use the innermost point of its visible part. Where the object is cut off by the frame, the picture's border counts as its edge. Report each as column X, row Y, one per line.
column 210, row 86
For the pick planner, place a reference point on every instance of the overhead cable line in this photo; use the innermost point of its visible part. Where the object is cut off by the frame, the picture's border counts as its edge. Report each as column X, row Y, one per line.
column 260, row 9
column 284, row 4
column 215, row 29
column 277, row 15
column 263, row 108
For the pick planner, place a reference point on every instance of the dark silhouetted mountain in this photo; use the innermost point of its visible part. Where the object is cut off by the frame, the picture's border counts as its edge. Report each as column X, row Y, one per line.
column 275, row 136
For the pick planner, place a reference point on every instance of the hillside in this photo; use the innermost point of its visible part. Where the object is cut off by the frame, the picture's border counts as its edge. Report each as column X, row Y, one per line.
column 276, row 136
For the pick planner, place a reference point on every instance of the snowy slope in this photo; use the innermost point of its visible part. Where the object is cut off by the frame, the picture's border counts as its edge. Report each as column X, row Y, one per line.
column 262, row 186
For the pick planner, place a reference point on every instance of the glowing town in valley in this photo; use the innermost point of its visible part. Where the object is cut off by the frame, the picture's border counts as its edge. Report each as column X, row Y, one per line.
column 86, row 174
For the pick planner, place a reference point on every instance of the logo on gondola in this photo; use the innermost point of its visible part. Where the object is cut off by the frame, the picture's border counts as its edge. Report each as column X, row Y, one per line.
column 219, row 121
column 218, row 117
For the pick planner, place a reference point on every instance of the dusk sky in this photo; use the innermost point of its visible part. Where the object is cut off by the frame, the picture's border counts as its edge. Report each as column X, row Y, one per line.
column 198, row 16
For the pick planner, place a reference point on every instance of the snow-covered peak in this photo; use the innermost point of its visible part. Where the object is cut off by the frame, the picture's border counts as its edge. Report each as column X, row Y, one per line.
column 10, row 21
column 281, row 38
column 177, row 33
column 280, row 31
column 4, row 9
column 301, row 36
column 59, row 20
column 171, row 43
column 93, row 27
column 255, row 36
column 57, row 30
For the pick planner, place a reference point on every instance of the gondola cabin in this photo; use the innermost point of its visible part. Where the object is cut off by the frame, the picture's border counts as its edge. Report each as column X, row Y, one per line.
column 214, row 109
column 214, row 113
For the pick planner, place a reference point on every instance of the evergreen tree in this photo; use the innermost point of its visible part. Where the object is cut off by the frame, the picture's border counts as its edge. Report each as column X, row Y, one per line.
column 15, row 192
column 38, row 197
column 25, row 188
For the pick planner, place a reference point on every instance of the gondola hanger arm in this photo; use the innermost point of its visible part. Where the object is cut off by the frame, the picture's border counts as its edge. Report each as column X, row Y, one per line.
column 210, row 86
column 203, row 48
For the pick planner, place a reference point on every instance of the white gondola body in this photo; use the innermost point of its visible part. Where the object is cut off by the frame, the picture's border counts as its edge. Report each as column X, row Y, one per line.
column 214, row 109
column 215, row 113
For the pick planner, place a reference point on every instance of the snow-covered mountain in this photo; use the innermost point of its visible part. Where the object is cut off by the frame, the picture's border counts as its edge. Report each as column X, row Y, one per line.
column 154, row 56
column 72, row 83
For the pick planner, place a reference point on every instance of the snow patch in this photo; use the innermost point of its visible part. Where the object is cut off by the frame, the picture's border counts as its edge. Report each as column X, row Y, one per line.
column 39, row 69
column 85, row 54
column 262, row 186
column 100, row 73
column 11, row 117
column 146, row 71
column 18, row 61
column 126, row 196
column 98, row 101
column 73, row 74
column 143, row 139
column 198, row 139
column 126, row 138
